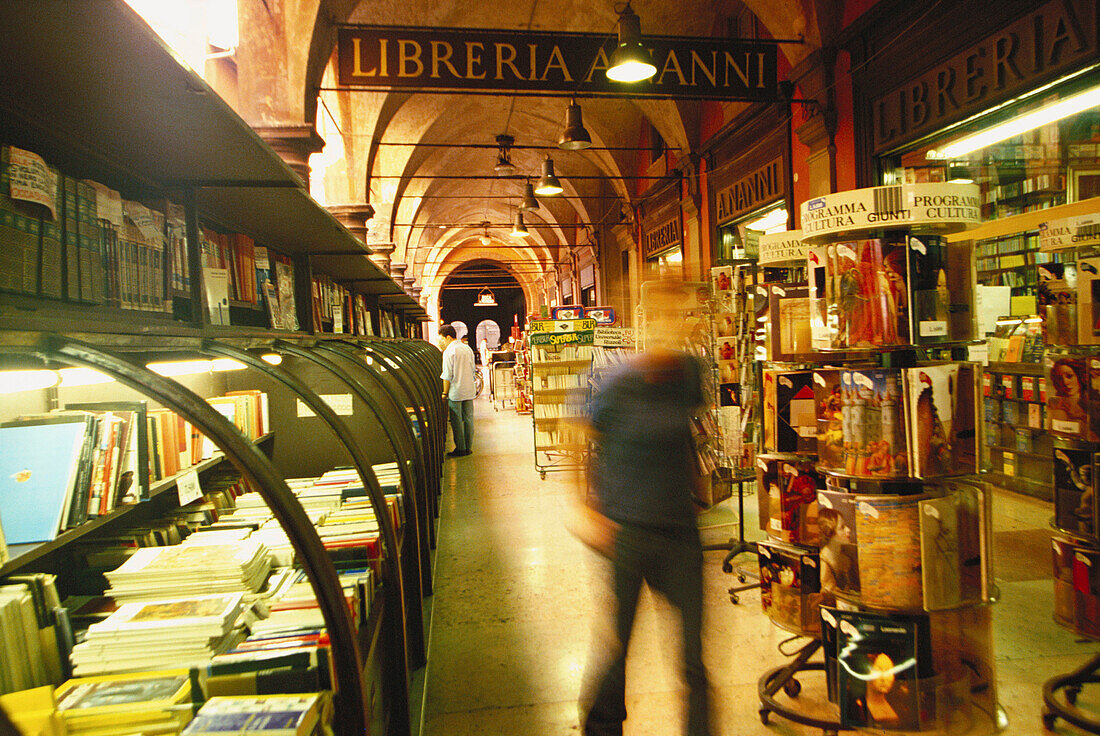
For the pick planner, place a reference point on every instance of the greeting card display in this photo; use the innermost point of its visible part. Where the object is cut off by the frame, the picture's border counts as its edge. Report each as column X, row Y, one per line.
column 790, row 590
column 787, row 497
column 790, row 417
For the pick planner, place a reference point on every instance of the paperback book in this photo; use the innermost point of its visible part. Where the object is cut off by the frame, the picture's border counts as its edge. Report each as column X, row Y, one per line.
column 788, row 498
column 951, row 549
column 790, row 587
column 836, row 521
column 829, row 409
column 888, row 530
column 1075, row 491
column 873, row 423
column 790, row 418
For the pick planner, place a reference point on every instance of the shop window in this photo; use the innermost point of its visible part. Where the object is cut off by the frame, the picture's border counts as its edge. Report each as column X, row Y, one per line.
column 739, row 239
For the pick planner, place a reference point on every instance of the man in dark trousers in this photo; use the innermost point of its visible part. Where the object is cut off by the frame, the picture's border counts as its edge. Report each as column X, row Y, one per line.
column 458, row 389
column 643, row 472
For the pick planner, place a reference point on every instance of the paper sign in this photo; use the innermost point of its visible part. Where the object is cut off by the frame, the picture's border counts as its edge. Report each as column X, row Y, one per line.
column 339, row 403
column 614, row 337
column 32, row 180
column 187, row 485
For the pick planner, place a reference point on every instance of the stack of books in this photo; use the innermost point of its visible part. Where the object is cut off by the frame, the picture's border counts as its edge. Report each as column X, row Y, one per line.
column 284, row 715
column 147, row 703
column 183, row 632
column 181, row 570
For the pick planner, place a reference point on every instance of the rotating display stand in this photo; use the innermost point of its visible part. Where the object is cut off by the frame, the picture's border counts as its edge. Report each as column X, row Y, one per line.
column 1069, row 303
column 878, row 531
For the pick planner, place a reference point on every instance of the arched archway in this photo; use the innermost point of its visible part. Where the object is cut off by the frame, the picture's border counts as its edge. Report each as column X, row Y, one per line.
column 458, row 298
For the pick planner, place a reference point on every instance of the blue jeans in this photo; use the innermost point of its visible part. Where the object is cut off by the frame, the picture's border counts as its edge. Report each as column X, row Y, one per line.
column 462, row 423
column 671, row 561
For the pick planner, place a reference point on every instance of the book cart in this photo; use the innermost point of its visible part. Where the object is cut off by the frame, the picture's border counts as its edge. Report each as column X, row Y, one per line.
column 1072, row 373
column 878, row 531
column 560, row 359
column 357, row 403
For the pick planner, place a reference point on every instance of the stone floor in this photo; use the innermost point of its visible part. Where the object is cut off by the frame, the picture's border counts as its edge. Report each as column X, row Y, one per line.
column 517, row 597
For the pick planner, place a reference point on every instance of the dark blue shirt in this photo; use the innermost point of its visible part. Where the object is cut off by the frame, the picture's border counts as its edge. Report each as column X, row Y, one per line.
column 644, row 463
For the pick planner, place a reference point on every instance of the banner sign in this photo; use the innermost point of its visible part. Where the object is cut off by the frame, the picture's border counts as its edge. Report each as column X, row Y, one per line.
column 762, row 186
column 585, row 337
column 1069, row 232
column 782, row 247
column 572, row 63
column 944, row 207
column 561, row 325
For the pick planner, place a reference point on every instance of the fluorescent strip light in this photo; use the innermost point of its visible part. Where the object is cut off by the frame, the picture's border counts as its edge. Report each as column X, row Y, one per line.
column 272, row 358
column 1020, row 125
column 12, row 382
column 226, row 364
column 180, row 367
column 82, row 377
column 769, row 221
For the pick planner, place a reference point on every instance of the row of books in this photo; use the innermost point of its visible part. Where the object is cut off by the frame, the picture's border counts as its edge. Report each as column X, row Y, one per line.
column 904, row 552
column 902, row 422
column 162, row 703
column 1013, row 386
column 87, row 460
column 337, row 309
column 1014, row 413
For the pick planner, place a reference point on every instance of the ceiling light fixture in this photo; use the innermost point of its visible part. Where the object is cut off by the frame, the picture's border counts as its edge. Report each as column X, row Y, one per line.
column 485, row 298
column 504, row 166
column 519, row 230
column 548, row 184
column 1020, row 125
column 574, row 137
column 528, row 202
column 484, row 237
column 630, row 61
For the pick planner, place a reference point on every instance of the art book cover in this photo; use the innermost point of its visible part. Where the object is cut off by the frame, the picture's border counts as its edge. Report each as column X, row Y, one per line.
column 950, row 549
column 880, row 661
column 789, row 335
column 874, row 423
column 1056, row 301
column 894, row 282
column 90, row 695
column 1075, row 491
column 791, row 489
column 794, row 586
column 1067, row 401
column 822, row 306
column 1086, row 586
column 790, row 420
column 836, row 523
column 931, row 405
column 1088, row 301
column 829, row 417
column 928, row 276
column 38, row 470
column 1064, row 598
column 889, row 551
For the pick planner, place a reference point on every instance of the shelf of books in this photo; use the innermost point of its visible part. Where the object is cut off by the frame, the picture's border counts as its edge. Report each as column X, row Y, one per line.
column 1072, row 413
column 879, row 532
column 561, row 356
column 235, row 482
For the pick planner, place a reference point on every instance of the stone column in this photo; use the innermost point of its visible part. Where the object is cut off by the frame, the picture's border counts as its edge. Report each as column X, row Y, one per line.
column 380, row 255
column 354, row 217
column 397, row 271
column 409, row 280
column 815, row 77
column 294, row 144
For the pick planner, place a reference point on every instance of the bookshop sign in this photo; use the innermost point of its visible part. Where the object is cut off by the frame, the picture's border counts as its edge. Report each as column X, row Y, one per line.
column 761, row 187
column 946, row 207
column 782, row 247
column 574, row 63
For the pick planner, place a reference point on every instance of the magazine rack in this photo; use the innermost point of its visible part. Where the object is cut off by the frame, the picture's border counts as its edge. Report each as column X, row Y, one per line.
column 864, row 443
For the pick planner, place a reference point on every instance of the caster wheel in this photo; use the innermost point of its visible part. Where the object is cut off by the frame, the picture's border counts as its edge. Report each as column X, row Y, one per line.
column 829, row 732
column 542, row 476
column 741, row 577
column 727, row 568
column 734, row 599
column 792, row 688
column 764, row 713
column 1071, row 695
column 1048, row 720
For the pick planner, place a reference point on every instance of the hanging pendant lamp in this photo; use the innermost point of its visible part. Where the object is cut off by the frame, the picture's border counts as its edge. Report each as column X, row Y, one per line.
column 630, row 61
column 528, row 202
column 519, row 229
column 548, row 184
column 574, row 137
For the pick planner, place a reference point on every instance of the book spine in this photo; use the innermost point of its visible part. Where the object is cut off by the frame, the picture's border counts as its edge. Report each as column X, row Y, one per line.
column 70, row 238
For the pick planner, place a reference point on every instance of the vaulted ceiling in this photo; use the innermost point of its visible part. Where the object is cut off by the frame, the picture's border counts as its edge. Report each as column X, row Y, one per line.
column 412, row 155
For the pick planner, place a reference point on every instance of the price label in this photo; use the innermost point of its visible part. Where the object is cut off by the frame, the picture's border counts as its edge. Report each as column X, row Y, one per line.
column 188, row 487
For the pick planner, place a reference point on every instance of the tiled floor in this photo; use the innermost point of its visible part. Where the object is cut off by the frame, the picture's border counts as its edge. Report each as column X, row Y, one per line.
column 516, row 599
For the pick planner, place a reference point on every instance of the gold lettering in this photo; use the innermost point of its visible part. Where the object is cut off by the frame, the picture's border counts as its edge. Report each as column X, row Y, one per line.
column 600, row 62
column 357, row 60
column 509, row 60
column 472, row 59
column 532, row 65
column 760, row 69
column 742, row 74
column 383, row 59
column 556, row 54
column 444, row 59
column 404, row 57
column 698, row 63
column 672, row 63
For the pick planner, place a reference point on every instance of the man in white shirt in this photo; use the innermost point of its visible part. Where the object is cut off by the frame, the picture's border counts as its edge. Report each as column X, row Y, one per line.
column 458, row 389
